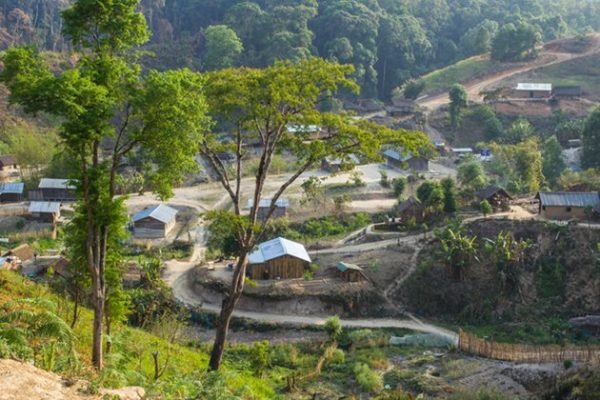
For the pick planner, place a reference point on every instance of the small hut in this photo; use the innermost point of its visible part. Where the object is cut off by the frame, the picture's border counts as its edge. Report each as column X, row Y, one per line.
column 337, row 164
column 11, row 192
column 351, row 272
column 496, row 196
column 281, row 207
column 588, row 325
column 154, row 222
column 532, row 91
column 45, row 211
column 278, row 259
column 8, row 165
column 411, row 208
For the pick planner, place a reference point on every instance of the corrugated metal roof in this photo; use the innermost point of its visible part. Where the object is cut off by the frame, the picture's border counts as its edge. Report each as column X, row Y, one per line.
column 397, row 155
column 541, row 87
column 264, row 203
column 16, row 187
column 569, row 199
column 8, row 159
column 350, row 158
column 44, row 207
column 160, row 212
column 51, row 183
column 276, row 248
column 343, row 267
column 462, row 150
column 303, row 128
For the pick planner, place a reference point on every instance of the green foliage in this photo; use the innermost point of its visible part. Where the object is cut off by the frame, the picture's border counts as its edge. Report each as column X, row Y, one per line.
column 399, row 185
column 520, row 165
column 486, row 207
column 333, row 327
column 384, row 181
column 515, row 42
column 367, row 379
column 553, row 163
column 459, row 250
column 551, row 280
column 31, row 330
column 458, row 102
column 519, row 131
column 449, row 189
column 312, row 190
column 260, row 357
column 413, row 88
column 431, row 194
column 508, row 255
column 223, row 47
column 471, row 174
column 486, row 116
column 591, row 141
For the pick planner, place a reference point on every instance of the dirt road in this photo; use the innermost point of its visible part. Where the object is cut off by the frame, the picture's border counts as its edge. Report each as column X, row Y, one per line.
column 546, row 58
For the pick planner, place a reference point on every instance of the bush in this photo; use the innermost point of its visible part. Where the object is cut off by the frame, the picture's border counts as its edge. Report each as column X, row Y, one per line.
column 368, row 380
column 333, row 327
column 399, row 186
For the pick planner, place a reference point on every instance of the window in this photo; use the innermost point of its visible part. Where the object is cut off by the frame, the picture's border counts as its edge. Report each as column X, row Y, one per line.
column 568, row 209
column 544, row 208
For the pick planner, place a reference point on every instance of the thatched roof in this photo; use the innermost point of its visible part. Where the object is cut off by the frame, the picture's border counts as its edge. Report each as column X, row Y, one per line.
column 411, row 203
column 490, row 191
column 23, row 252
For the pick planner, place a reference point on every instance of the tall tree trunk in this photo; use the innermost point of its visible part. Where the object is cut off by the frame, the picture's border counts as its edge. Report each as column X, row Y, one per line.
column 227, row 307
column 98, row 300
column 75, row 311
column 108, row 339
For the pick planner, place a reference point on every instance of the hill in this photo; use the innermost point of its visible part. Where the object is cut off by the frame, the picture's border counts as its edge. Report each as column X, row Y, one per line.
column 530, row 299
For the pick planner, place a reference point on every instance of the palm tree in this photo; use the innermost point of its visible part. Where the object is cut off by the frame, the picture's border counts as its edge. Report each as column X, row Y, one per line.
column 459, row 251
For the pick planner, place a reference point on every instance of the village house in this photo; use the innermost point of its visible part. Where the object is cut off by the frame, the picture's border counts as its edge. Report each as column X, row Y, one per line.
column 280, row 211
column 532, row 91
column 278, row 259
column 567, row 91
column 351, row 272
column 45, row 211
column 55, row 190
column 9, row 165
column 498, row 198
column 11, row 192
column 396, row 159
column 154, row 222
column 461, row 152
column 333, row 165
column 569, row 205
column 411, row 208
column 401, row 107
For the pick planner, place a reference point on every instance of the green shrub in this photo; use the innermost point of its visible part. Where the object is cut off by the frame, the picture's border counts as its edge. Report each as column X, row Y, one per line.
column 368, row 380
column 333, row 327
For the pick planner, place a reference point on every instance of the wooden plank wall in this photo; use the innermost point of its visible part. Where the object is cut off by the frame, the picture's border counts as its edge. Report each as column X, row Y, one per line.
column 474, row 345
column 285, row 267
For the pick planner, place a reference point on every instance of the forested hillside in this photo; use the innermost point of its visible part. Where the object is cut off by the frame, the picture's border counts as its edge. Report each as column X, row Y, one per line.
column 388, row 41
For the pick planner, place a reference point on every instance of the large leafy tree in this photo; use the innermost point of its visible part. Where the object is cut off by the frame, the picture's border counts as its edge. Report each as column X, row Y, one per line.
column 515, row 42
column 458, row 102
column 107, row 111
column 260, row 105
column 591, row 141
column 223, row 46
column 553, row 162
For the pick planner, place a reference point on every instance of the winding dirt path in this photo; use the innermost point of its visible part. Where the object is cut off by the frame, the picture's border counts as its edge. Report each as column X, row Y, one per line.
column 546, row 58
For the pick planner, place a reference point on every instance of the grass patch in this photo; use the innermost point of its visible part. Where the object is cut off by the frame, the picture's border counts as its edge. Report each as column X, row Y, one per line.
column 465, row 70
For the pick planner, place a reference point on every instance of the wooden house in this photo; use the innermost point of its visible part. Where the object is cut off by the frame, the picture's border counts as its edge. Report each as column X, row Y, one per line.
column 11, row 192
column 532, row 91
column 9, row 165
column 496, row 196
column 401, row 107
column 60, row 190
column 45, row 211
column 408, row 161
column 278, row 259
column 567, row 91
column 351, row 272
column 280, row 211
column 411, row 208
column 569, row 205
column 154, row 222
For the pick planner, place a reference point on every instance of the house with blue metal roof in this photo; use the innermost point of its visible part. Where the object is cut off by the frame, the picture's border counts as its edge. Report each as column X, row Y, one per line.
column 11, row 192
column 279, row 258
column 569, row 205
column 154, row 222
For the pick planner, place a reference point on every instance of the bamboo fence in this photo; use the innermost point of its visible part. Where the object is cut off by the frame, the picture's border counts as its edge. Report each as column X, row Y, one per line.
column 471, row 344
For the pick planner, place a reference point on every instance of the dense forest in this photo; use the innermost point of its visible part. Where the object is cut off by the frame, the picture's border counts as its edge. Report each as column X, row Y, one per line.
column 388, row 41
